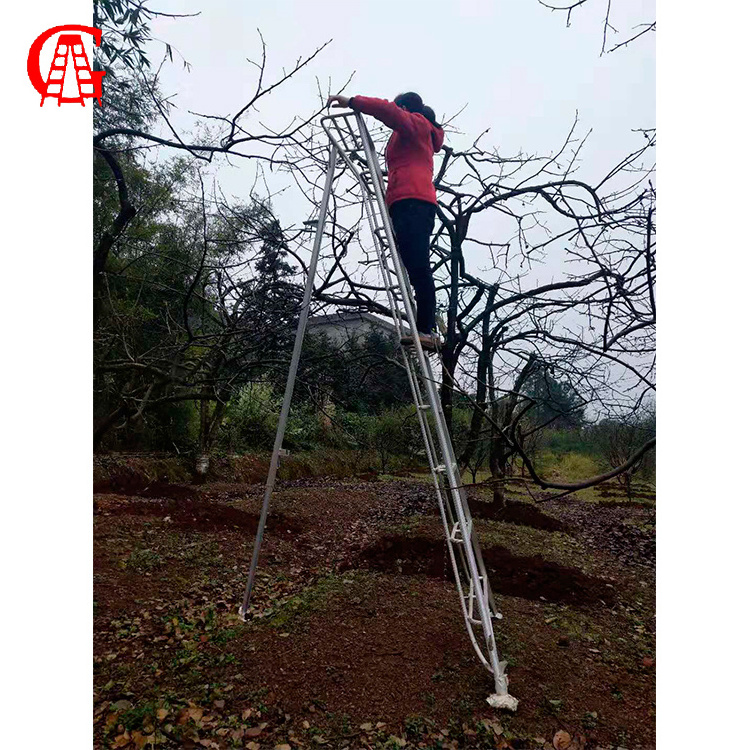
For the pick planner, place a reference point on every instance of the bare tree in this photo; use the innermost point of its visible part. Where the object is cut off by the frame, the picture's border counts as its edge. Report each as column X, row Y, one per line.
column 593, row 323
column 569, row 6
column 139, row 110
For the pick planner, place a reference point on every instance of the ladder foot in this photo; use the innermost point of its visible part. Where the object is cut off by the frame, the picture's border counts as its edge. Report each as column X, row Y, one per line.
column 506, row 701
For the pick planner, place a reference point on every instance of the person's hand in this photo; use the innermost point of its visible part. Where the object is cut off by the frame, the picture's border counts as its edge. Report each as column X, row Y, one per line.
column 338, row 101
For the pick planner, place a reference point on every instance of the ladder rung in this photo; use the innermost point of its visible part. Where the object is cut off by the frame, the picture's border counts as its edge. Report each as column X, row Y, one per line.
column 442, row 468
column 470, row 598
column 456, row 535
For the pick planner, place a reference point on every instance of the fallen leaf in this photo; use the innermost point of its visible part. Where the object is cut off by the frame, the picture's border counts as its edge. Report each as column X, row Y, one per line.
column 162, row 714
column 367, row 727
column 252, row 746
column 196, row 714
column 497, row 727
column 255, row 731
column 283, row 746
column 219, row 704
column 247, row 713
column 561, row 740
column 648, row 661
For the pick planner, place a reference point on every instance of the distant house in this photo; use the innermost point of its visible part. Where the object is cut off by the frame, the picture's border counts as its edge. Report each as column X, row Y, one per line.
column 341, row 327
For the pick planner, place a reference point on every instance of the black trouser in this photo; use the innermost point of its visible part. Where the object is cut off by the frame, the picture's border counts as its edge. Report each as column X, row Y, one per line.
column 413, row 221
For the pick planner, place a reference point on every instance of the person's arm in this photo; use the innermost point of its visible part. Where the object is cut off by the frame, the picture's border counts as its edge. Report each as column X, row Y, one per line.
column 381, row 109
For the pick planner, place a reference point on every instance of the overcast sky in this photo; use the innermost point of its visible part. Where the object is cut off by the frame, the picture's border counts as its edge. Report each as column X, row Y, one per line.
column 514, row 63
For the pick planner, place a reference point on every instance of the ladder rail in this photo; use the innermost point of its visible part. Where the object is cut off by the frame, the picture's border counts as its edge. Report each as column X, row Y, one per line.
column 368, row 198
column 444, row 508
column 444, row 441
column 480, row 583
column 289, row 391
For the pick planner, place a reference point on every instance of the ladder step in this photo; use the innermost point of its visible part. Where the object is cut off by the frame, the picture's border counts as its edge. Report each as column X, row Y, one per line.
column 456, row 535
column 470, row 598
column 442, row 468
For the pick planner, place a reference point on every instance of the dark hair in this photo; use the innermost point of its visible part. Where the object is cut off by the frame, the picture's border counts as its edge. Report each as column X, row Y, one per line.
column 429, row 113
column 410, row 101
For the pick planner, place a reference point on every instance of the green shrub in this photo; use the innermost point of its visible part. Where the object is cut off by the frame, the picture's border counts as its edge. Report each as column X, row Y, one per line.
column 251, row 419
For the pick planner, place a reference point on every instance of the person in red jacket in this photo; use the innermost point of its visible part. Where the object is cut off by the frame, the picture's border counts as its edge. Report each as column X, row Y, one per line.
column 410, row 194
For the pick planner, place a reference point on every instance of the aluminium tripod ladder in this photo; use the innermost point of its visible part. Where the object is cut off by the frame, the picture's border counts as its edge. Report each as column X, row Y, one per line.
column 350, row 141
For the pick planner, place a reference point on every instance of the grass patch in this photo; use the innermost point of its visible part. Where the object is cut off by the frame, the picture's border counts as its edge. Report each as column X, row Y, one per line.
column 201, row 554
column 142, row 560
column 525, row 541
column 312, row 599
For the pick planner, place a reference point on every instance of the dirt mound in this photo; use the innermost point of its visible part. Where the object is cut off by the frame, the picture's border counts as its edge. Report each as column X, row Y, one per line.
column 165, row 491
column 513, row 575
column 648, row 502
column 522, row 514
column 536, row 578
column 130, row 475
column 200, row 515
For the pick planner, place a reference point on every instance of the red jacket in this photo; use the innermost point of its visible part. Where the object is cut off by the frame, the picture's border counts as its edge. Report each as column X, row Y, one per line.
column 408, row 154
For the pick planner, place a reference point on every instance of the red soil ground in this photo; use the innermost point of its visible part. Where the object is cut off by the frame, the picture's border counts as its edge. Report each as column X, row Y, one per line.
column 356, row 623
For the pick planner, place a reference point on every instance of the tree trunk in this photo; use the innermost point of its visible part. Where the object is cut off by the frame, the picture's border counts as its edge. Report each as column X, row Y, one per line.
column 209, row 427
column 485, row 356
column 501, row 451
column 446, row 388
column 497, row 467
column 108, row 238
